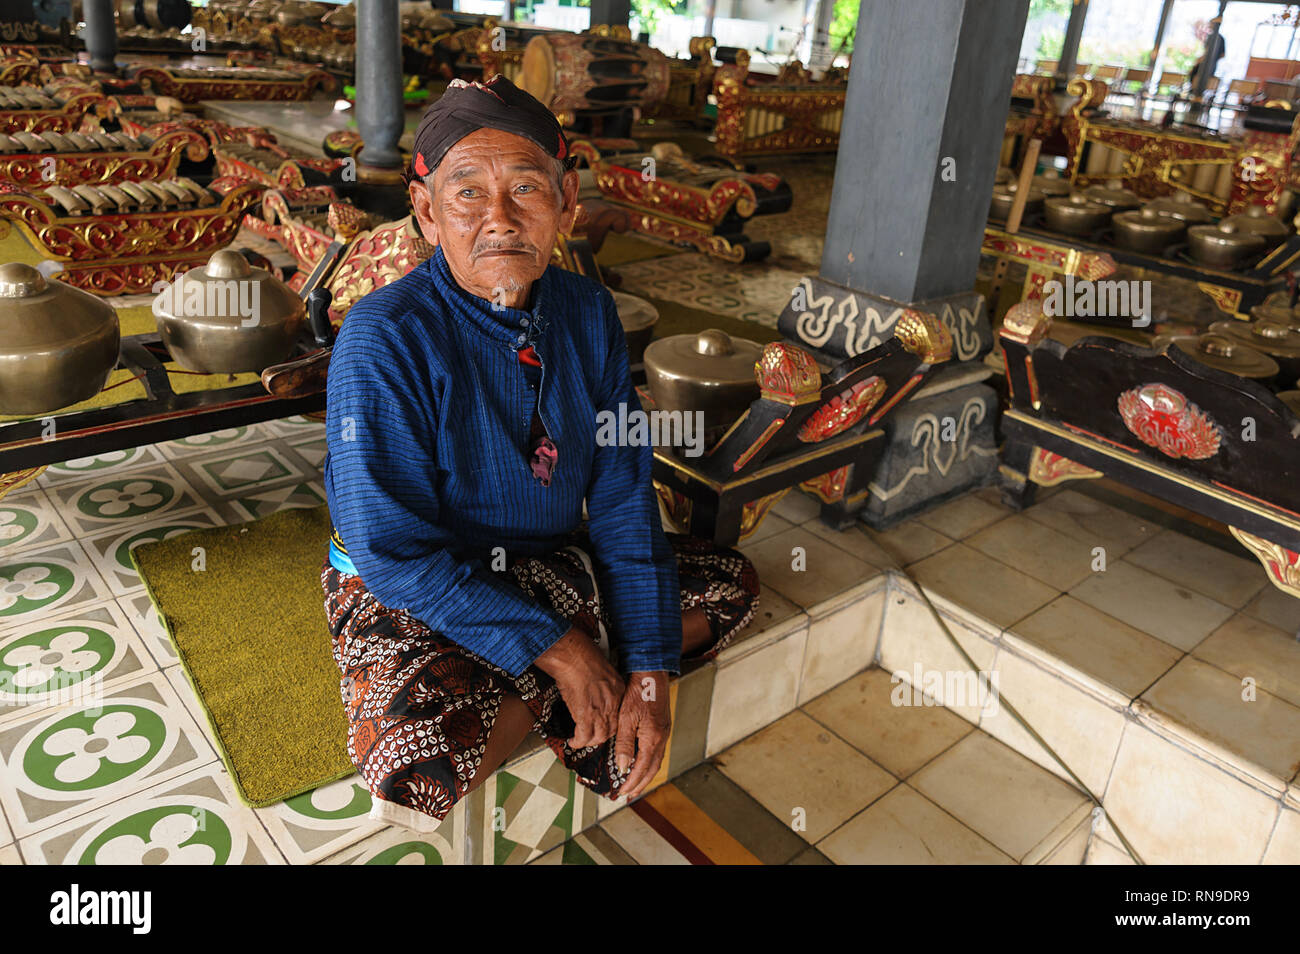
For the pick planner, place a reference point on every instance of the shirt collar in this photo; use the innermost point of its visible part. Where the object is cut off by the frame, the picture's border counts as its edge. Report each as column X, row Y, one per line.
column 517, row 328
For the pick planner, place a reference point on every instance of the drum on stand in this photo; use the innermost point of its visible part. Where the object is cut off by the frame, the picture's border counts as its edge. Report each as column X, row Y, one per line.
column 582, row 77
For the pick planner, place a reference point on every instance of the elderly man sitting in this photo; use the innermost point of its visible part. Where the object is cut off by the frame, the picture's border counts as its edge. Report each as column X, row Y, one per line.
column 468, row 600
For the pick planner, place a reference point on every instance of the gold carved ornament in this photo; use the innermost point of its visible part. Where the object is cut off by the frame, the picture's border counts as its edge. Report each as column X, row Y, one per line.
column 1282, row 565
column 1026, row 323
column 1047, row 469
column 377, row 257
column 752, row 514
column 924, row 335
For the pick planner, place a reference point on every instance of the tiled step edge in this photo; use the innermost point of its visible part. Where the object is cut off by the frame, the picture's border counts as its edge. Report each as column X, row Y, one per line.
column 1101, row 734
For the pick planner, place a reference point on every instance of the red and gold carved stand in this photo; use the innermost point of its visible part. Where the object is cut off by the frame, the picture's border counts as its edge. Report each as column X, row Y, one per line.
column 1033, row 115
column 667, row 208
column 292, row 171
column 65, row 118
column 771, row 119
column 222, row 83
column 375, row 258
column 1046, row 254
column 1045, row 260
column 159, row 161
column 293, row 218
column 689, row 84
column 128, row 253
column 806, row 429
column 18, row 69
column 1227, row 174
column 1160, row 422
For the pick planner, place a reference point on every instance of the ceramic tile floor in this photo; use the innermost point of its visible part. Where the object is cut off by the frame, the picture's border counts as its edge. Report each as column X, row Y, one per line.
column 850, row 778
column 75, row 624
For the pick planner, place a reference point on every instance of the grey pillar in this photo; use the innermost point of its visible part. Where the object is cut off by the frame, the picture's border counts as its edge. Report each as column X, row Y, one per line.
column 614, row 12
column 900, row 225
column 1073, row 34
column 381, row 115
column 100, row 35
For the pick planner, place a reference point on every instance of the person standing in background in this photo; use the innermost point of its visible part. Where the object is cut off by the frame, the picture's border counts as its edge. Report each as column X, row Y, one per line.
column 1208, row 33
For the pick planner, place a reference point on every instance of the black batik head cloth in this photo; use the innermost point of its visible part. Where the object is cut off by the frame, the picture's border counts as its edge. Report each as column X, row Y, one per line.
column 497, row 104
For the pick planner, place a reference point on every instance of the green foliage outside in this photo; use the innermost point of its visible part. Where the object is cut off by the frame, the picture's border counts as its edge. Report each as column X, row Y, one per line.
column 1104, row 52
column 843, row 22
column 648, row 13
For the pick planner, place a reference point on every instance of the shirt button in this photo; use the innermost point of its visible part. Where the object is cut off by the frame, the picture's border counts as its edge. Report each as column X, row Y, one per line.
column 523, row 323
column 520, row 340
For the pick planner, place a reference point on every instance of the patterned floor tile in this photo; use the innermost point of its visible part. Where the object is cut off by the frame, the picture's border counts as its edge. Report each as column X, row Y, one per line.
column 591, row 847
column 755, row 291
column 243, row 470
column 29, row 520
column 527, row 809
column 293, row 427
column 228, row 438
column 64, row 762
column 144, row 617
column 397, row 846
column 35, row 583
column 288, row 497
column 112, row 500
column 189, row 699
column 68, row 658
column 111, row 551
column 312, row 450
column 195, row 819
column 113, row 462
column 765, row 836
column 320, row 823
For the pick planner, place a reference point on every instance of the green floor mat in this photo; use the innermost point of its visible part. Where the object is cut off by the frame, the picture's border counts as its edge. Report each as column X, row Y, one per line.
column 250, row 631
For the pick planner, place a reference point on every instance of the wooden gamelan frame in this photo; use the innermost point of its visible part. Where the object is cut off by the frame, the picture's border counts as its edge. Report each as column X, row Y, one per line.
column 1160, row 422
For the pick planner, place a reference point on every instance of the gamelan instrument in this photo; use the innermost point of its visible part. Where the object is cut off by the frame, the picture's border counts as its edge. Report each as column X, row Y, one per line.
column 114, row 240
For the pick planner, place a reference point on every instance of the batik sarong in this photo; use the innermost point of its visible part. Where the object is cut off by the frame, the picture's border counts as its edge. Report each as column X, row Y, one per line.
column 420, row 708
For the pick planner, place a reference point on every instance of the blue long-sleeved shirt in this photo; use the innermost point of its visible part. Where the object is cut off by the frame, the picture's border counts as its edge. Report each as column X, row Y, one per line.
column 427, row 425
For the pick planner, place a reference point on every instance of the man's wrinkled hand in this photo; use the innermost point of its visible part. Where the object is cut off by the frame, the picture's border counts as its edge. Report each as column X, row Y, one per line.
column 644, row 721
column 590, row 687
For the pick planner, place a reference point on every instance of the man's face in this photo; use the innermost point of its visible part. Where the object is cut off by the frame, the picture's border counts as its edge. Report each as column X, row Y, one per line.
column 495, row 210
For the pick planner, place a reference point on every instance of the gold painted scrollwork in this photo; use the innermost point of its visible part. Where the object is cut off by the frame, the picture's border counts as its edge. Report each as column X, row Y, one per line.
column 1283, row 565
column 756, row 510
